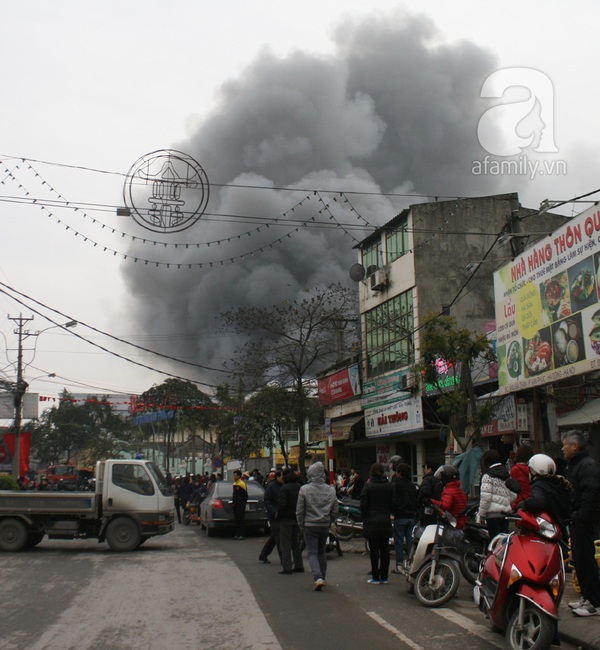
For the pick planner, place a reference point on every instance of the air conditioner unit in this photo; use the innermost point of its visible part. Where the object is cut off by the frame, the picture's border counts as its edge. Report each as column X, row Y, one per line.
column 378, row 280
column 408, row 381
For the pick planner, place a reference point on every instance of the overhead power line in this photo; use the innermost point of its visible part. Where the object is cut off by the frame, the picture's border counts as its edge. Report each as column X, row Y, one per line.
column 7, row 291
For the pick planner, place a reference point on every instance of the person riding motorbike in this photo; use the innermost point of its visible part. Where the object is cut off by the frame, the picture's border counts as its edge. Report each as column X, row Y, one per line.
column 550, row 492
column 453, row 499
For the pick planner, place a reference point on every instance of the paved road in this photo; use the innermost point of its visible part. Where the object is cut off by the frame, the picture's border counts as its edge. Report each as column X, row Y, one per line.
column 349, row 613
column 174, row 592
column 184, row 590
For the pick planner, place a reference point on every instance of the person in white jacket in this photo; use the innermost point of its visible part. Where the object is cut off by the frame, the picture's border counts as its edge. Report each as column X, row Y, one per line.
column 496, row 493
column 316, row 510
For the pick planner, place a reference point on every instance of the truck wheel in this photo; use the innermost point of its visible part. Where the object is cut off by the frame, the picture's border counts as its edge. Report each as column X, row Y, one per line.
column 123, row 534
column 13, row 535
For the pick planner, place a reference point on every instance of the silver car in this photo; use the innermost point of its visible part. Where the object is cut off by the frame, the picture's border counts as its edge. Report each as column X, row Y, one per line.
column 216, row 511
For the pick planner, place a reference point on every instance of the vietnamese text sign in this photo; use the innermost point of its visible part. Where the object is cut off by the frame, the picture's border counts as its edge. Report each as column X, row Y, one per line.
column 548, row 307
column 341, row 385
column 394, row 416
column 505, row 417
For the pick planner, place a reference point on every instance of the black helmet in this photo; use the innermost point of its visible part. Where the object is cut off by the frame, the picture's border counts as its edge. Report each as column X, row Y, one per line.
column 447, row 473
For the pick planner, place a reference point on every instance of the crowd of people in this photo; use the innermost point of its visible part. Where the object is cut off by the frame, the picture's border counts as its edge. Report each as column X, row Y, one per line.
column 391, row 504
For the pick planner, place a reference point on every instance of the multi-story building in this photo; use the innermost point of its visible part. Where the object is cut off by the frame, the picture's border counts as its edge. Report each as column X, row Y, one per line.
column 431, row 258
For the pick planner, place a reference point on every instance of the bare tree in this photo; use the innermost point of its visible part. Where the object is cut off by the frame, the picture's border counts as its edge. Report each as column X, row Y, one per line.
column 289, row 342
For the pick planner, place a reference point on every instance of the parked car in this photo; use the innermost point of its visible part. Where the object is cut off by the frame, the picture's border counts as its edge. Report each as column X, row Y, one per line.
column 216, row 511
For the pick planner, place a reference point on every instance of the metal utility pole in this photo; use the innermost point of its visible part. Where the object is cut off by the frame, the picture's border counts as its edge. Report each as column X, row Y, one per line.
column 20, row 390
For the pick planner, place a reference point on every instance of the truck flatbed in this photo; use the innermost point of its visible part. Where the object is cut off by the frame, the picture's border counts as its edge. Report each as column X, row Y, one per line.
column 47, row 502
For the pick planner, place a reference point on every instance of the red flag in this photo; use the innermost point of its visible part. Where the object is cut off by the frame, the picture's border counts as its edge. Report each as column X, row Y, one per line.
column 24, row 447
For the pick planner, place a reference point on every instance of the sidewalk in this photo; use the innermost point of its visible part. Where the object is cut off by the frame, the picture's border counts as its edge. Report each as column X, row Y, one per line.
column 579, row 631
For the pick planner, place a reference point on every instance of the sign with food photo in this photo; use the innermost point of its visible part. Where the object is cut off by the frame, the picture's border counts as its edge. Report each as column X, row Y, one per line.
column 548, row 307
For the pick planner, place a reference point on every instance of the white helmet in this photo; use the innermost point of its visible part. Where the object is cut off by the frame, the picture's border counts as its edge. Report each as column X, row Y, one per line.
column 541, row 465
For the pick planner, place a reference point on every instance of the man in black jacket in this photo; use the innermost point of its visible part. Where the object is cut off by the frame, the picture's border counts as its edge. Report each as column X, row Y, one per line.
column 275, row 481
column 431, row 488
column 289, row 531
column 584, row 476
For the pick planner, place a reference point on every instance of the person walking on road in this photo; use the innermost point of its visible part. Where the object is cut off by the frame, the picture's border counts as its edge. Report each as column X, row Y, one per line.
column 240, row 498
column 275, row 481
column 316, row 510
column 376, row 500
column 291, row 553
column 584, row 476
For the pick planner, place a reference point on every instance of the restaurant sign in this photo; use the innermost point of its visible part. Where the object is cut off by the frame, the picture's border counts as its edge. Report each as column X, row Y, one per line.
column 548, row 307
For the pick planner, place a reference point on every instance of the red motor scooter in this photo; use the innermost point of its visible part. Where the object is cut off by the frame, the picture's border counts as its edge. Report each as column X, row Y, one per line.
column 521, row 582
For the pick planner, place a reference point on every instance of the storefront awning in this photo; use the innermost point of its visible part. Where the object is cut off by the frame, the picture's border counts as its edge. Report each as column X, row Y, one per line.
column 587, row 414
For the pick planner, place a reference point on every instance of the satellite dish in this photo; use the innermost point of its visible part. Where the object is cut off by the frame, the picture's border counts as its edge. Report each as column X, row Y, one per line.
column 357, row 272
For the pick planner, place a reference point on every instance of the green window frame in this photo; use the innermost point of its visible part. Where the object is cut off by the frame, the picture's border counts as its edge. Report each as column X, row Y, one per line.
column 389, row 332
column 371, row 258
column 397, row 242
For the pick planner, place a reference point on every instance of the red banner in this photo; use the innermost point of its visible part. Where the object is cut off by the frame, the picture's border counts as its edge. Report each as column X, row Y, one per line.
column 24, row 447
column 339, row 386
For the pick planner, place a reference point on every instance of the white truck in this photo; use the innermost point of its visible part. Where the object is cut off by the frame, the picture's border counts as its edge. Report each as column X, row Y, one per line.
column 132, row 502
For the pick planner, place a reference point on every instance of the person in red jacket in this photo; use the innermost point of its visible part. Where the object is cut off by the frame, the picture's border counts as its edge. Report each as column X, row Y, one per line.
column 520, row 472
column 453, row 499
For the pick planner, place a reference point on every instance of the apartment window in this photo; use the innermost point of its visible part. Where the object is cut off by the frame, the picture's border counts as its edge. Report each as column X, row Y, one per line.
column 396, row 242
column 389, row 335
column 371, row 257
column 292, row 435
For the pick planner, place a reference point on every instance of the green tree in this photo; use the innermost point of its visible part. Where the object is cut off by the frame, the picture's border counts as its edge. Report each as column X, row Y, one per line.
column 289, row 342
column 456, row 350
column 88, row 431
column 192, row 409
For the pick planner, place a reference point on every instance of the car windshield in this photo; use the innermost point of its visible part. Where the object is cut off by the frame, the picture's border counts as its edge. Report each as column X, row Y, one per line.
column 161, row 481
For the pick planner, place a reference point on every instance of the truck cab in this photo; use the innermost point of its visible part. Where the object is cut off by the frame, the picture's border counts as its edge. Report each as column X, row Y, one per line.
column 131, row 503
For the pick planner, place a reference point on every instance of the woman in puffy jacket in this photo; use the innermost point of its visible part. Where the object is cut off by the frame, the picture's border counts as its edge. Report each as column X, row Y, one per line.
column 495, row 498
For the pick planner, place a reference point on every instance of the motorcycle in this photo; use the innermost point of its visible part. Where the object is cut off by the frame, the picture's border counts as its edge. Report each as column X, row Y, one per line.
column 522, row 581
column 474, row 546
column 432, row 566
column 348, row 523
column 191, row 513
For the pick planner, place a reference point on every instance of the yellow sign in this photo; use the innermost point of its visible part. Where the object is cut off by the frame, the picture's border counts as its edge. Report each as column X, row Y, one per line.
column 529, row 310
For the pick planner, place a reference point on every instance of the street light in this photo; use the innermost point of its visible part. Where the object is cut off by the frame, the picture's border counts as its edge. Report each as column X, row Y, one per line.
column 21, row 386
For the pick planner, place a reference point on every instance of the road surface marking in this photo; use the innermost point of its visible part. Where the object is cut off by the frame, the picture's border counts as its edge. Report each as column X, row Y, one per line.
column 390, row 628
column 471, row 627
